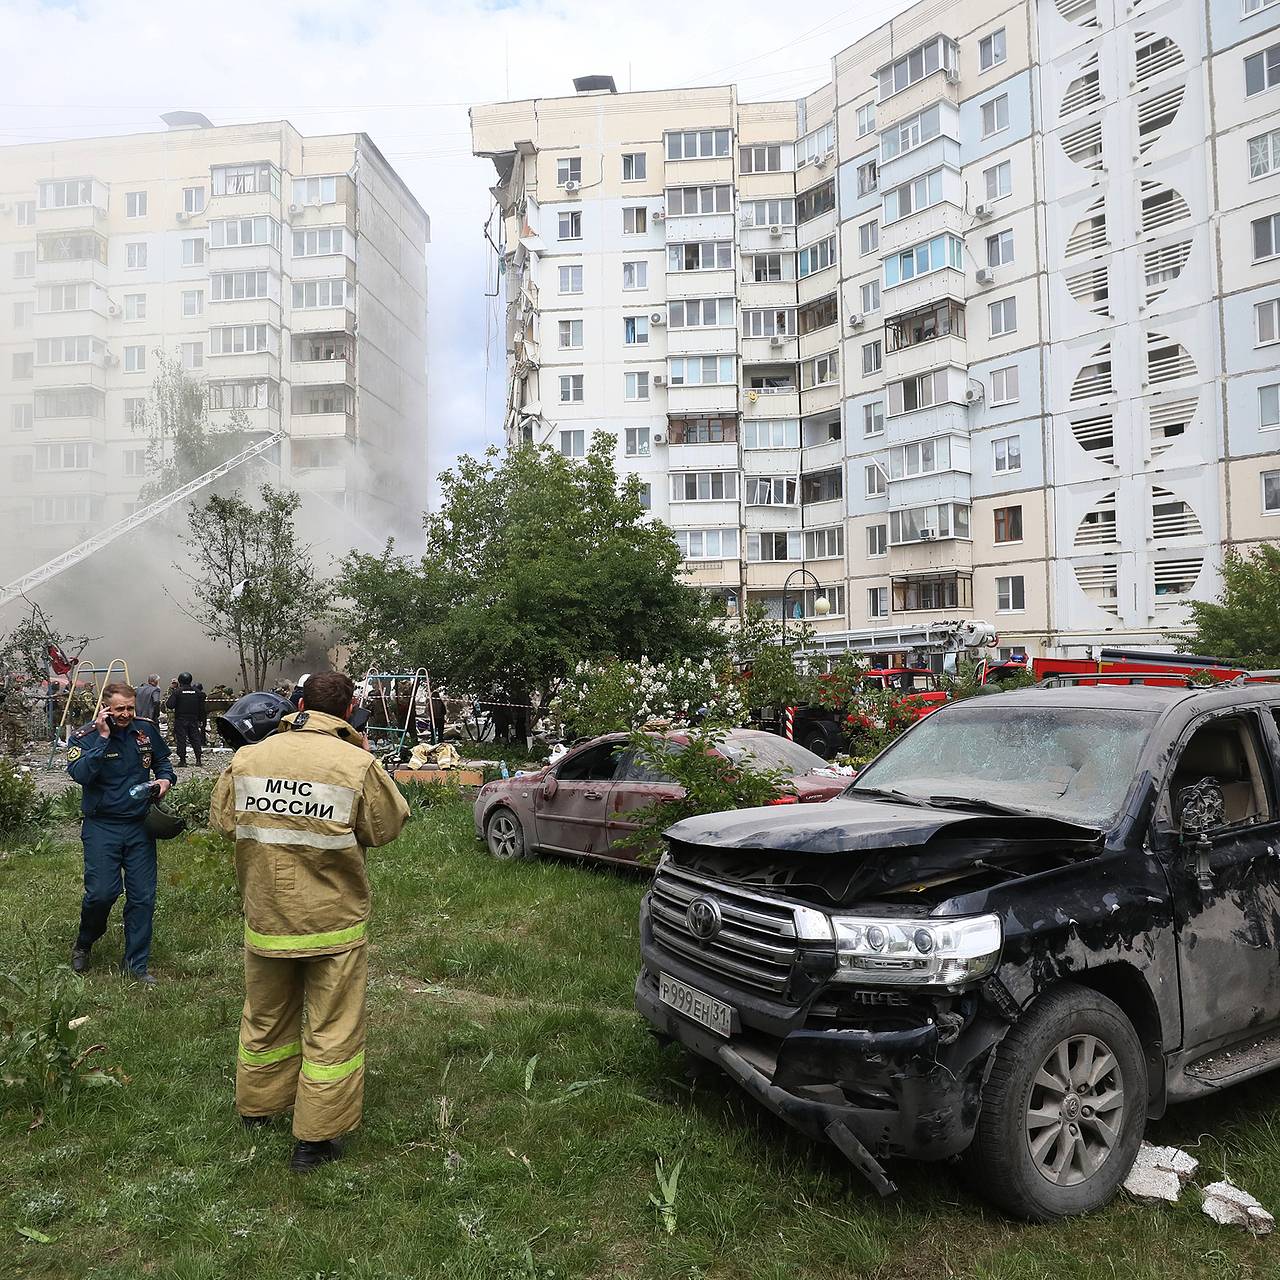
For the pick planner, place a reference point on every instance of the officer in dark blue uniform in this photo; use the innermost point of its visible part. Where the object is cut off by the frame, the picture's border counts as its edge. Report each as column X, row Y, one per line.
column 108, row 758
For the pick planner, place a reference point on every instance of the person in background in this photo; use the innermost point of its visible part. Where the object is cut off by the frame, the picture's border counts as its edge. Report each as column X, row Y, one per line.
column 149, row 699
column 187, row 704
column 113, row 759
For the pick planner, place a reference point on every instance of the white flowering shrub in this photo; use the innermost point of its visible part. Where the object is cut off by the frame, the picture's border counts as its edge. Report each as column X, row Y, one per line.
column 619, row 696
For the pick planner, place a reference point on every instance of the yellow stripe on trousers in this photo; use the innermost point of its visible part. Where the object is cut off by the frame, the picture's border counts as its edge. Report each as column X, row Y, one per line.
column 300, row 941
column 339, row 1070
column 265, row 1057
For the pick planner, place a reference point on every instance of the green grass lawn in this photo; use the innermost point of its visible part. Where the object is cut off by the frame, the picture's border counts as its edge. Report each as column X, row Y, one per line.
column 515, row 1109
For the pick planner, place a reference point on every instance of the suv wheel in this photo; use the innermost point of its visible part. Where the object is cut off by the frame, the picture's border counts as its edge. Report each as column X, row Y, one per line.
column 504, row 836
column 1064, row 1108
column 816, row 741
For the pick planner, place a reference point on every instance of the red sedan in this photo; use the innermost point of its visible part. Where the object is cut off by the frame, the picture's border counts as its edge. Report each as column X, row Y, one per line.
column 581, row 804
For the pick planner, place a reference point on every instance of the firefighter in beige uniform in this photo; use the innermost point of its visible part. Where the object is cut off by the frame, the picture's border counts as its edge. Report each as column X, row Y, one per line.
column 304, row 804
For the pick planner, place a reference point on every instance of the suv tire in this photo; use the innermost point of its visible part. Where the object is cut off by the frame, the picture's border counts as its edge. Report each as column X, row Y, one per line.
column 1043, row 1148
column 505, row 836
column 816, row 741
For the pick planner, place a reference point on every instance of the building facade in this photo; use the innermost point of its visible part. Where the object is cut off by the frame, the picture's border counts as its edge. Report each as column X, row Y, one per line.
column 983, row 327
column 289, row 273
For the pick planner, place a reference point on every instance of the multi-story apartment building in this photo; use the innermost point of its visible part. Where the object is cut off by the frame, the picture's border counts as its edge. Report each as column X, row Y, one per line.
column 287, row 272
column 983, row 327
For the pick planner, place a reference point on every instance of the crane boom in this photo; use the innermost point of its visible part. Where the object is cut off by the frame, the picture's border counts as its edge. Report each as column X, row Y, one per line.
column 51, row 569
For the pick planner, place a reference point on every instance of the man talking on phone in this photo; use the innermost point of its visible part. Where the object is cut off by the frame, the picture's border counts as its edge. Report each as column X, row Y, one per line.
column 113, row 759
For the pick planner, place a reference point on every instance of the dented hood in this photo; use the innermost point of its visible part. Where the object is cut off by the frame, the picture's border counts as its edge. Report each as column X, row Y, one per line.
column 852, row 825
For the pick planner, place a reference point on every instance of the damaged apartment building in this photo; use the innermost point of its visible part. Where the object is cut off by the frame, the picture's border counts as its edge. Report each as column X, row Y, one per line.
column 984, row 327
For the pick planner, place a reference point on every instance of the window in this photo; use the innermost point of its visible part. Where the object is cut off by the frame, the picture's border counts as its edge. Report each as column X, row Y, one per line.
column 1004, row 385
column 701, row 255
column 229, row 232
column 818, row 200
column 911, row 197
column 877, row 540
column 815, row 143
column 571, row 388
column 1004, row 316
column 646, row 497
column 872, row 357
column 822, row 486
column 135, row 462
column 875, row 483
column 569, row 225
column 318, row 242
column 775, row 546
column 870, row 296
column 135, row 255
column 767, row 322
column 66, row 195
column 877, row 602
column 820, row 371
column 193, row 355
column 698, row 144
column 707, row 544
column 568, row 169
column 23, row 366
column 135, row 306
column 771, row 433
column 193, row 302
column 310, row 294
column 570, row 334
column 995, row 115
column 244, row 395
column 868, row 237
column 241, row 339
column 991, row 50
column 704, row 486
column 193, row 199
column 695, row 371
column 636, row 443
column 1010, row 596
column 635, row 330
column 79, row 350
column 193, row 251
column 1006, row 454
column 761, row 159
column 772, row 491
column 924, row 61
column 75, row 456
column 866, row 119
column 635, row 276
column 910, row 133
column 695, row 200
column 635, row 166
column 135, row 412
column 1268, row 405
column 135, row 204
column 1262, row 71
column 765, row 267
column 873, row 418
column 311, row 190
column 1271, row 493
column 571, row 279
column 135, row 359
column 25, row 210
column 63, row 297
column 24, row 264
column 1264, row 154
column 1266, row 319
column 868, row 177
column 23, row 417
column 635, row 220
column 920, row 458
column 924, row 524
column 817, row 314
column 1008, row 524
column 824, row 544
column 23, row 312
column 693, row 313
column 1266, row 237
column 941, row 320
column 573, row 443
column 230, row 286
column 1000, row 249
column 998, row 180
column 780, row 212
column 933, row 255
column 702, row 430
column 817, row 257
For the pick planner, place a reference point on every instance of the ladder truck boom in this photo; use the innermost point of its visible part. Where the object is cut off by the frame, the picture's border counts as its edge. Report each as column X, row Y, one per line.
column 38, row 577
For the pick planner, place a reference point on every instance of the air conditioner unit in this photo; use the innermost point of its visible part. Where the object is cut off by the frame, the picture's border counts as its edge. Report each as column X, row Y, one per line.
column 953, row 76
column 775, row 231
column 973, row 395
column 657, row 317
column 857, row 320
column 659, row 215
column 110, row 358
column 982, row 210
column 659, row 379
column 295, row 208
column 571, row 185
column 657, row 438
column 113, row 308
column 984, row 275
column 182, row 215
column 928, row 535
column 820, row 162
column 776, row 340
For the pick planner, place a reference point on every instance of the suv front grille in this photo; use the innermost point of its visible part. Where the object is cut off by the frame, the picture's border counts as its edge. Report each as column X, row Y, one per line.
column 757, row 946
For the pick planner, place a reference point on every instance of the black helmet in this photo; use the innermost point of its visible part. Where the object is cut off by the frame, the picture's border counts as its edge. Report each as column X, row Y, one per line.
column 251, row 718
column 184, row 678
column 160, row 824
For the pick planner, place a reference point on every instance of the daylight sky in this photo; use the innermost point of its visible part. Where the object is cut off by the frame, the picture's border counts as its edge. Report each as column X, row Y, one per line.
column 404, row 73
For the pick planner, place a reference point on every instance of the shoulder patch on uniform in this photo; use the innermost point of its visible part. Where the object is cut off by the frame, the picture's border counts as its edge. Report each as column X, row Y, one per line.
column 73, row 754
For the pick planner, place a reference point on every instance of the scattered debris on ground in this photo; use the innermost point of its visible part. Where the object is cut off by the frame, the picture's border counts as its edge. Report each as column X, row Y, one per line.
column 1228, row 1205
column 1160, row 1173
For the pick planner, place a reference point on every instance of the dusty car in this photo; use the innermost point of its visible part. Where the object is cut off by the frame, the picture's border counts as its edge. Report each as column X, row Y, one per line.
column 582, row 804
column 1032, row 923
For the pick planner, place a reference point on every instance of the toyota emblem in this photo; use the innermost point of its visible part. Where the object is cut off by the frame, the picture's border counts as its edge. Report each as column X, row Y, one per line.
column 704, row 919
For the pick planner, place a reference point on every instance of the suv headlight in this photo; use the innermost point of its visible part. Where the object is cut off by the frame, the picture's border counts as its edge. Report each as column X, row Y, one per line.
column 916, row 952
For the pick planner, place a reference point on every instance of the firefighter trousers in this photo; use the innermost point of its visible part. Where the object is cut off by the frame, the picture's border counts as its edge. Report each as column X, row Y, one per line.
column 302, row 1039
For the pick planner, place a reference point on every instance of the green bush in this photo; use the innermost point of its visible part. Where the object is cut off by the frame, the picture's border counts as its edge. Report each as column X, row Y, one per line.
column 190, row 800
column 21, row 804
column 429, row 795
column 65, row 806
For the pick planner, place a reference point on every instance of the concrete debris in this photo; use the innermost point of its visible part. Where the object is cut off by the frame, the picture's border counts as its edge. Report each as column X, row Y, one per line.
column 1160, row 1173
column 1228, row 1205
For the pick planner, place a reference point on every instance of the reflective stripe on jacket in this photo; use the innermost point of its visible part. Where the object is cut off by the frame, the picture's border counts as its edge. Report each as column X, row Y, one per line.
column 304, row 805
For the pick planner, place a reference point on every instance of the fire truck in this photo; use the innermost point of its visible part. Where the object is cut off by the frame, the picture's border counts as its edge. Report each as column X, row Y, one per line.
column 1143, row 667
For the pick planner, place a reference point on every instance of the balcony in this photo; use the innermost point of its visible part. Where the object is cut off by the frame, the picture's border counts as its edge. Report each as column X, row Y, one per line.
column 243, row 366
column 323, row 320
column 698, row 226
column 821, row 398
column 711, row 573
column 924, row 225
column 71, row 271
column 930, row 593
column 782, row 347
column 771, row 402
column 937, row 152
column 85, row 373
column 752, row 239
column 76, row 217
column 322, row 426
column 940, row 86
column 70, row 324
column 702, row 284
column 764, row 294
column 716, row 398
column 916, row 294
column 338, row 213
column 701, row 340
column 322, row 373
column 246, row 204
column 243, row 257
column 251, row 421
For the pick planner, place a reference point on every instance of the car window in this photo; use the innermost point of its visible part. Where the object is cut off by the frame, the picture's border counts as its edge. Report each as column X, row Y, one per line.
column 592, row 764
column 634, row 767
column 767, row 751
column 1228, row 751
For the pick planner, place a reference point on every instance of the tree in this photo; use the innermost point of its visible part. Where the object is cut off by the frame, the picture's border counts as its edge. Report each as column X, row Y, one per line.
column 255, row 586
column 1243, row 624
column 26, row 648
column 534, row 563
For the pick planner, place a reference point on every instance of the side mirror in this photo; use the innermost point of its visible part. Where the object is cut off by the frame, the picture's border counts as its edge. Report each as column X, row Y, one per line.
column 1204, row 809
column 550, row 787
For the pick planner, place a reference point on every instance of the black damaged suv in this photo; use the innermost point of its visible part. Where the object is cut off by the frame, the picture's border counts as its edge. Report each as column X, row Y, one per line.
column 1030, row 924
